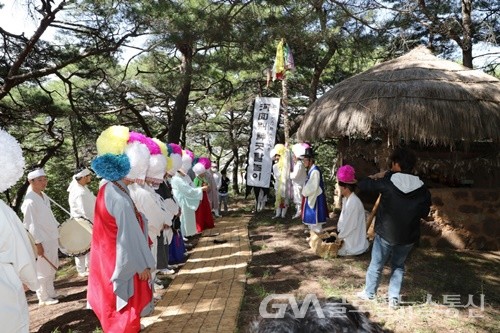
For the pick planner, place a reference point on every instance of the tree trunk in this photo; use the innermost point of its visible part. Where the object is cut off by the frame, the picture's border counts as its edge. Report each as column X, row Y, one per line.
column 468, row 31
column 234, row 149
column 182, row 99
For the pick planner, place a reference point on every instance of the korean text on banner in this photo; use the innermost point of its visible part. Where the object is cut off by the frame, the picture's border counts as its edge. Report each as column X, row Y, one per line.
column 265, row 123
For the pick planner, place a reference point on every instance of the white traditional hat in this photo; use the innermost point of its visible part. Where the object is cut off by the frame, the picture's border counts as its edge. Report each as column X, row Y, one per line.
column 11, row 161
column 138, row 155
column 198, row 169
column 187, row 160
column 174, row 164
column 299, row 149
column 78, row 175
column 157, row 168
column 36, row 173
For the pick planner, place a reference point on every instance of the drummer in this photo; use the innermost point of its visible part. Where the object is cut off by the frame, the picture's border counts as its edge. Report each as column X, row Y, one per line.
column 41, row 223
column 81, row 204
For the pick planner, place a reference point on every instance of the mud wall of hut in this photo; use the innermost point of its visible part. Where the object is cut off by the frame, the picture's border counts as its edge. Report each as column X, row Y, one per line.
column 463, row 219
column 465, row 189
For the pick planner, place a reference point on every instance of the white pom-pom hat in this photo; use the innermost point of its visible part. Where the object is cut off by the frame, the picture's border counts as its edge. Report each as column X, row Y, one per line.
column 156, row 169
column 11, row 161
column 198, row 169
column 138, row 155
column 299, row 149
column 186, row 162
column 174, row 164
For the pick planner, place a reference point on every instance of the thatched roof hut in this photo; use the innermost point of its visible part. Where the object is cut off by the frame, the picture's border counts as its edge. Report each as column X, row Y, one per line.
column 449, row 114
column 416, row 97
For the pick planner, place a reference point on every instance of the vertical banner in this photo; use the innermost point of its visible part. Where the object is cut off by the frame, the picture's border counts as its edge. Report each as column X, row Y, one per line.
column 265, row 122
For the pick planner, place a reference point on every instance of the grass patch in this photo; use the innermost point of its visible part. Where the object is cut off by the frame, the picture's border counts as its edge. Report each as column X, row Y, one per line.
column 259, row 291
column 66, row 268
column 444, row 290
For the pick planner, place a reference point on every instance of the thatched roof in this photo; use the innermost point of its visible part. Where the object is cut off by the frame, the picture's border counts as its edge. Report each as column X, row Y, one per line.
column 414, row 97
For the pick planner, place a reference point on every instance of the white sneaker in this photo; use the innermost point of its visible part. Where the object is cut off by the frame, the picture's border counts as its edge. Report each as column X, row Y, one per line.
column 48, row 301
column 296, row 215
column 364, row 296
column 159, row 286
column 177, row 265
column 84, row 274
column 167, row 271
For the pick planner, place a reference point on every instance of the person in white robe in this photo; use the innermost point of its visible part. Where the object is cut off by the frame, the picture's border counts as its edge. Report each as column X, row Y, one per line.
column 281, row 174
column 43, row 226
column 174, row 162
column 81, row 204
column 315, row 207
column 298, row 177
column 172, row 209
column 187, row 196
column 149, row 203
column 352, row 221
column 17, row 256
column 214, row 189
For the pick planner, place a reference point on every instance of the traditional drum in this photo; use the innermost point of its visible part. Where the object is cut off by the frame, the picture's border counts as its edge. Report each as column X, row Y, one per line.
column 75, row 235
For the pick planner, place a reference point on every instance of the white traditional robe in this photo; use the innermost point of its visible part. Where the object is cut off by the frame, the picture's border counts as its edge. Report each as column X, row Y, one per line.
column 17, row 266
column 147, row 202
column 188, row 198
column 81, row 204
column 42, row 225
column 172, row 208
column 352, row 227
column 213, row 192
column 218, row 179
column 311, row 189
column 298, row 177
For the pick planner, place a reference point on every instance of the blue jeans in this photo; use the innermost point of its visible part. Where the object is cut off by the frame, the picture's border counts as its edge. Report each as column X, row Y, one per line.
column 380, row 254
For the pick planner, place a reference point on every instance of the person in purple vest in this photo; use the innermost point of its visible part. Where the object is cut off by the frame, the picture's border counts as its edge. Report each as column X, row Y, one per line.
column 314, row 207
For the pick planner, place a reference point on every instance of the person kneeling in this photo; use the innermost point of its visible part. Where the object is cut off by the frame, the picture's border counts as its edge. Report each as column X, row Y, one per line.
column 352, row 225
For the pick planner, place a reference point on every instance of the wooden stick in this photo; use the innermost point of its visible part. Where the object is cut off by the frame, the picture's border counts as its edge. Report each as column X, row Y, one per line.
column 50, row 262
column 372, row 214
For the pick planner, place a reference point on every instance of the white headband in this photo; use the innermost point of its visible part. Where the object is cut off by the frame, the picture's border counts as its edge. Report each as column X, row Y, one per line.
column 36, row 173
column 82, row 173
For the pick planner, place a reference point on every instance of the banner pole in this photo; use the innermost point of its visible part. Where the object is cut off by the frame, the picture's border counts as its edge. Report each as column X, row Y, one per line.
column 285, row 109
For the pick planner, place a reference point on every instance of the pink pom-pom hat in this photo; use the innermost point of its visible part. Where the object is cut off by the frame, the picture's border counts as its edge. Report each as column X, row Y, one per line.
column 154, row 148
column 189, row 153
column 136, row 136
column 346, row 174
column 176, row 149
column 205, row 161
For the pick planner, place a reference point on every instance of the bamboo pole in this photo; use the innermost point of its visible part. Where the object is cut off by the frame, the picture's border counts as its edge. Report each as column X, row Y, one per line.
column 284, row 101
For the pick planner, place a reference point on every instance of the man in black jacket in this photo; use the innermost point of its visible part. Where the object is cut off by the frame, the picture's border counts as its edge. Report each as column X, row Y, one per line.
column 404, row 201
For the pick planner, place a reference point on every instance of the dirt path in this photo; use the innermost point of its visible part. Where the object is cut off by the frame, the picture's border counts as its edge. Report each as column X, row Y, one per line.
column 283, row 263
column 443, row 290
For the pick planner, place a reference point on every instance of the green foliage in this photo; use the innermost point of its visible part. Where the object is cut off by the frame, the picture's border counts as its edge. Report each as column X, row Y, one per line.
column 326, row 157
column 202, row 65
